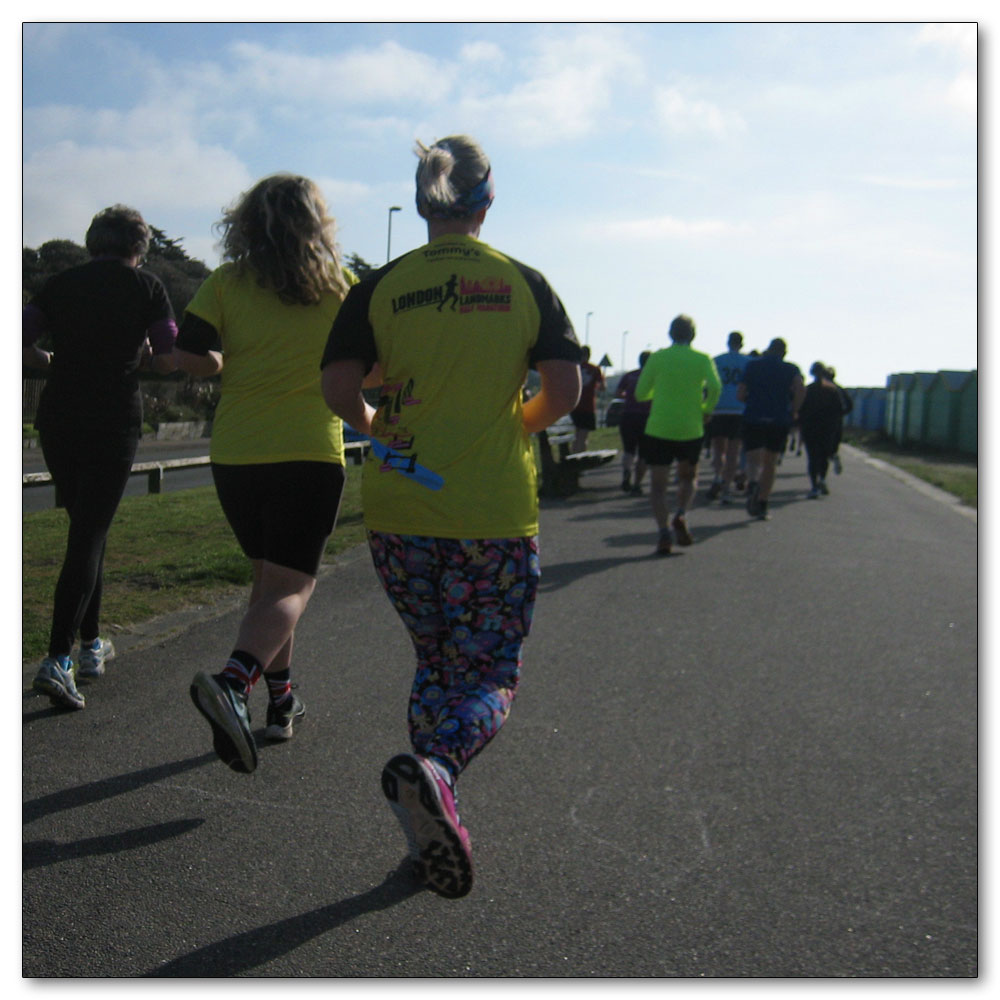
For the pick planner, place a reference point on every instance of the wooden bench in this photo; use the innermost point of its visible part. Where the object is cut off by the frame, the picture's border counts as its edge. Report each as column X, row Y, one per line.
column 561, row 477
column 354, row 452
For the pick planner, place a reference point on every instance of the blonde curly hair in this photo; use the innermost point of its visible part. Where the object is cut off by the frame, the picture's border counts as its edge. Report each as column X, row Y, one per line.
column 281, row 231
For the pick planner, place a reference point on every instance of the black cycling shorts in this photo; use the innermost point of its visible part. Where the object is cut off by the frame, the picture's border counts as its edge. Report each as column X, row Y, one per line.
column 661, row 451
column 725, row 425
column 281, row 511
column 773, row 437
column 631, row 430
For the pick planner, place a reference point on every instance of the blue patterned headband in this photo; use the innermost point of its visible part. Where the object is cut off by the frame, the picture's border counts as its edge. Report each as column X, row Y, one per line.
column 477, row 198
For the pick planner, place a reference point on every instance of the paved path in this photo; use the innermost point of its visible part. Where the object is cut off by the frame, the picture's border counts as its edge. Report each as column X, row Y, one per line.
column 755, row 758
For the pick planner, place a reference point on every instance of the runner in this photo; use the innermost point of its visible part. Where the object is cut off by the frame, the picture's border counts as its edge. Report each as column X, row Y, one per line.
column 107, row 318
column 277, row 452
column 459, row 563
column 724, row 427
column 684, row 387
column 584, row 415
column 846, row 406
column 819, row 420
column 631, row 428
column 772, row 390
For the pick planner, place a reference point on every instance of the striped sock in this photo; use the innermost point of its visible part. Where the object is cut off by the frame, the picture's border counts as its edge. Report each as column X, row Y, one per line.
column 279, row 686
column 243, row 669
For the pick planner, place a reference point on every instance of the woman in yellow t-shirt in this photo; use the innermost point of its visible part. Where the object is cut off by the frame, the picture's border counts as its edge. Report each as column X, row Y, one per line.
column 449, row 490
column 261, row 319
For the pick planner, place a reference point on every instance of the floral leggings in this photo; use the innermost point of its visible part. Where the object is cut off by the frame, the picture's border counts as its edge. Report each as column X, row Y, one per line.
column 468, row 606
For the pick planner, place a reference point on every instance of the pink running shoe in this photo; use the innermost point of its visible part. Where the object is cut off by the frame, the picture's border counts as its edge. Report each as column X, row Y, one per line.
column 425, row 807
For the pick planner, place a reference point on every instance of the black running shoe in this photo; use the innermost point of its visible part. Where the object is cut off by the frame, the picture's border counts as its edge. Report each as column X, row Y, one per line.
column 681, row 532
column 228, row 715
column 753, row 490
column 280, row 720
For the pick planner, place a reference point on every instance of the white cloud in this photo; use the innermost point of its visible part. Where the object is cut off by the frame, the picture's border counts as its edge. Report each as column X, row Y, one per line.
column 389, row 72
column 958, row 38
column 66, row 183
column 959, row 41
column 567, row 84
column 686, row 115
column 911, row 183
column 666, row 227
column 481, row 52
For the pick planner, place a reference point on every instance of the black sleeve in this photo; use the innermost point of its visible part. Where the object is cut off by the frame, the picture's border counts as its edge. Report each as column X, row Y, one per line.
column 556, row 337
column 160, row 300
column 197, row 336
column 351, row 336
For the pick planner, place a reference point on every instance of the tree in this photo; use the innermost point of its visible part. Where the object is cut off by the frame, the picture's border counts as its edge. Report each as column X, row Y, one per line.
column 166, row 258
column 358, row 265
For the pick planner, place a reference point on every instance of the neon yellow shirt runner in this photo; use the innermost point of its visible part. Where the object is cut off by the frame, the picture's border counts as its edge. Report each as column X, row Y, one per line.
column 454, row 325
column 271, row 408
column 683, row 385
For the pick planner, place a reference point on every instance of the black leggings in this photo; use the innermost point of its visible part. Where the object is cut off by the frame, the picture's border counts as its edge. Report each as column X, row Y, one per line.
column 90, row 471
column 820, row 447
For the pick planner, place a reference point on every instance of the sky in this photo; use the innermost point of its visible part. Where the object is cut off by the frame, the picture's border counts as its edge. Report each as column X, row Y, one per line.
column 811, row 181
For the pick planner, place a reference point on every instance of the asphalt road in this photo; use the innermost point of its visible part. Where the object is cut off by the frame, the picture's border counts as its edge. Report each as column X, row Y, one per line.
column 755, row 758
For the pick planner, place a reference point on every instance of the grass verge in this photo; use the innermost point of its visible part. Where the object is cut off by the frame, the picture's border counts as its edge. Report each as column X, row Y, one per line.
column 165, row 553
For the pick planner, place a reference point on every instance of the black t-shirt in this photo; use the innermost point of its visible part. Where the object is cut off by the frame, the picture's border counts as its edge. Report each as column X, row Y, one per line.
column 98, row 315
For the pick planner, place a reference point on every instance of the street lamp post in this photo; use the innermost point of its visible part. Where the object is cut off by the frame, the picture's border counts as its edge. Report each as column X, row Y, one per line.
column 624, row 337
column 388, row 238
column 586, row 338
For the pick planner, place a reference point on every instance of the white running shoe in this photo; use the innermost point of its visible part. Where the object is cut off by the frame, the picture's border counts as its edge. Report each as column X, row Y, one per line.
column 93, row 658
column 55, row 678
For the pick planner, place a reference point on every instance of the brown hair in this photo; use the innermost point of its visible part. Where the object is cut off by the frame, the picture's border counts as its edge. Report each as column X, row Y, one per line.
column 118, row 231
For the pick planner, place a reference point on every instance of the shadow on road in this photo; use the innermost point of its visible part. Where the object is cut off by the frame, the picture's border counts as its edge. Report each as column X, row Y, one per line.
column 38, row 853
column 246, row 951
column 97, row 791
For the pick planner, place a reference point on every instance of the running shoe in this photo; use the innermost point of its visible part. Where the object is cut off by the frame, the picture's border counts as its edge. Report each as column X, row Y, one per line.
column 823, row 488
column 636, row 490
column 740, row 481
column 681, row 533
column 726, row 497
column 225, row 708
column 425, row 807
column 837, row 467
column 93, row 657
column 752, row 491
column 281, row 719
column 813, row 493
column 55, row 679
column 714, row 490
column 761, row 513
column 663, row 543
column 626, row 482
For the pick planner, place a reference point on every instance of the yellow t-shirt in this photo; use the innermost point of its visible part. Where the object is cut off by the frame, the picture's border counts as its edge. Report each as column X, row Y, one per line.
column 271, row 407
column 455, row 326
